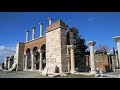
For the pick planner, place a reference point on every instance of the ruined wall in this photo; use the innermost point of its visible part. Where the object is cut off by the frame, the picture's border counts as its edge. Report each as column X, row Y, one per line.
column 102, row 62
column 56, row 47
column 19, row 55
column 37, row 42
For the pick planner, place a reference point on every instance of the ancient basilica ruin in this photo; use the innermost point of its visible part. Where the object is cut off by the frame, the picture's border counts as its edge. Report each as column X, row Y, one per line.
column 54, row 53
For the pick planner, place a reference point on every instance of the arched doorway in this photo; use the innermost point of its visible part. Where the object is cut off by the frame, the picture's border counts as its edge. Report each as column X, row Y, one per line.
column 43, row 49
column 28, row 58
column 36, row 58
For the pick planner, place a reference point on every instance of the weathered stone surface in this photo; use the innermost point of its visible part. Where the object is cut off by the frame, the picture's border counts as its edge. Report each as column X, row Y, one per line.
column 56, row 48
column 1, row 68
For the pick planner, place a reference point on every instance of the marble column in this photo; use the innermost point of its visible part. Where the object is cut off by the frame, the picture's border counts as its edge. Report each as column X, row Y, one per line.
column 32, row 61
column 41, row 27
column 50, row 21
column 68, row 58
column 8, row 63
column 40, row 62
column 116, row 59
column 92, row 60
column 117, row 40
column 72, row 59
column 27, row 35
column 33, row 33
column 113, row 63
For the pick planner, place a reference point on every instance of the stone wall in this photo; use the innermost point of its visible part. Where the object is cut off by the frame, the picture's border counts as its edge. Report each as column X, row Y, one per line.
column 19, row 55
column 102, row 62
column 56, row 48
column 37, row 42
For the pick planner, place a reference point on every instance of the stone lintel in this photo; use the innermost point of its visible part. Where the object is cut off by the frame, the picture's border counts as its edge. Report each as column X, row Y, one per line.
column 58, row 24
column 116, row 38
column 91, row 43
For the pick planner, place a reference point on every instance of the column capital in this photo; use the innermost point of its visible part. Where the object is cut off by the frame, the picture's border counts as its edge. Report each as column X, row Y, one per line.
column 49, row 18
column 27, row 30
column 40, row 23
column 116, row 38
column 31, row 51
column 91, row 43
column 33, row 27
column 39, row 50
column 71, row 46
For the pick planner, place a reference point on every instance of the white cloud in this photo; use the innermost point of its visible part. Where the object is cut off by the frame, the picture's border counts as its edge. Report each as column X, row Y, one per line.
column 6, row 52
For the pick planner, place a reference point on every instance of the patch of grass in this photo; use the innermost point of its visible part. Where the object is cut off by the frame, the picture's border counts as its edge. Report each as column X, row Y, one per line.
column 79, row 76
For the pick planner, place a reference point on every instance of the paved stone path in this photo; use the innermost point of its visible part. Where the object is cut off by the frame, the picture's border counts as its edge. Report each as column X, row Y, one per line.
column 21, row 74
column 109, row 75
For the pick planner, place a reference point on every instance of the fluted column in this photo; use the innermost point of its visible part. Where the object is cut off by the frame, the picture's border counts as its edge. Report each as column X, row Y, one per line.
column 41, row 29
column 40, row 63
column 27, row 35
column 92, row 59
column 72, row 59
column 33, row 33
column 117, row 40
column 50, row 21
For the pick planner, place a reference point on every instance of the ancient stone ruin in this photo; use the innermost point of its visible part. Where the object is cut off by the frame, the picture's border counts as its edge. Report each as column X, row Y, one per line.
column 51, row 54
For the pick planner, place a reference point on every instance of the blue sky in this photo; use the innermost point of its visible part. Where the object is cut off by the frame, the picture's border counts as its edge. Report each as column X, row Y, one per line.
column 96, row 26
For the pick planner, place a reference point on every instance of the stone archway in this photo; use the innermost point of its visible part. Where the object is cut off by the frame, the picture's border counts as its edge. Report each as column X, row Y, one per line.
column 43, row 51
column 36, row 56
column 28, row 59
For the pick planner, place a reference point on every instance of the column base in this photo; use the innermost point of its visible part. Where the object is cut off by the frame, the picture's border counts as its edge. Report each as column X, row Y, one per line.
column 25, row 69
column 72, row 71
column 31, row 69
column 93, row 72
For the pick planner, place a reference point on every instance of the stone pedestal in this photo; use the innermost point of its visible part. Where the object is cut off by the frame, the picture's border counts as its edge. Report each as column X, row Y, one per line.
column 92, row 60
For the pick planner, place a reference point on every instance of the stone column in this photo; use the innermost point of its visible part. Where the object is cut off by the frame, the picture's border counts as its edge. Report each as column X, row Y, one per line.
column 8, row 63
column 50, row 21
column 32, row 61
column 116, row 59
column 40, row 63
column 113, row 63
column 117, row 40
column 33, row 33
column 68, row 58
column 41, row 25
column 27, row 35
column 72, row 59
column 92, row 60
column 5, row 62
column 25, row 62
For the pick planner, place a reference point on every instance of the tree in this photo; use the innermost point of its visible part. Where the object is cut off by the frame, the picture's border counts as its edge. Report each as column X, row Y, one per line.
column 102, row 49
column 79, row 42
